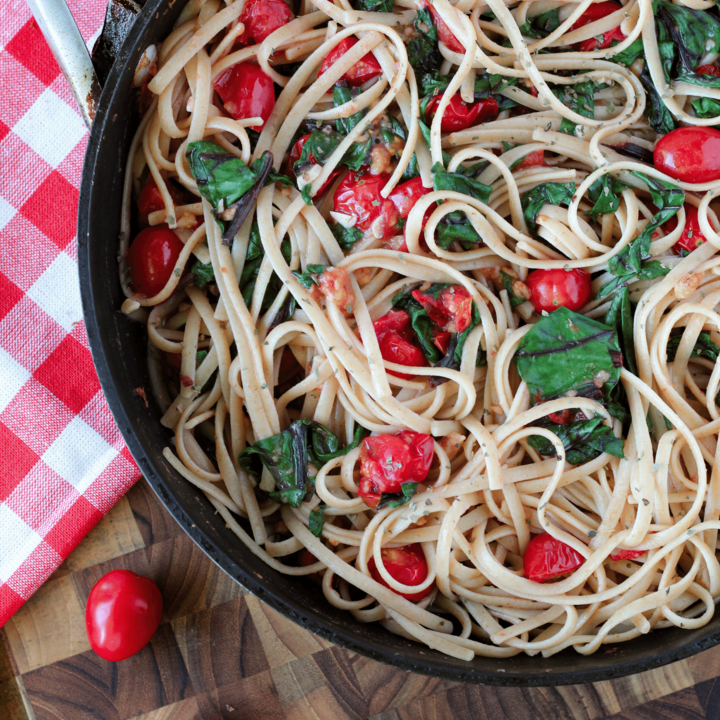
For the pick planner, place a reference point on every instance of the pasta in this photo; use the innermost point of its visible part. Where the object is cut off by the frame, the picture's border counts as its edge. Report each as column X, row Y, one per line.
column 560, row 469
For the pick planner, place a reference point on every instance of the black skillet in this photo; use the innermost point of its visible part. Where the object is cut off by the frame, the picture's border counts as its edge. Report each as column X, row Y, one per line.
column 119, row 347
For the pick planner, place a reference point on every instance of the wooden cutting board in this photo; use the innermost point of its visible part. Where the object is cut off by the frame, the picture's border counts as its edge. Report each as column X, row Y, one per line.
column 222, row 654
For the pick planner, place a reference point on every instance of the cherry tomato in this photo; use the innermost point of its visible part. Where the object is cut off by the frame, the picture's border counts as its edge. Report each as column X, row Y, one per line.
column 405, row 564
column 547, row 558
column 405, row 195
column 445, row 34
column 689, row 154
column 533, row 159
column 388, row 461
column 442, row 341
column 597, row 11
column 398, row 343
column 365, row 69
column 359, row 195
column 713, row 70
column 459, row 115
column 295, row 154
column 691, row 238
column 262, row 18
column 150, row 200
column 152, row 257
column 451, row 308
column 551, row 289
column 561, row 418
column 246, row 91
column 123, row 612
column 625, row 554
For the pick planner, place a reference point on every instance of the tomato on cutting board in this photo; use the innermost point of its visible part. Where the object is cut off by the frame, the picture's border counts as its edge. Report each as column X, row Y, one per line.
column 122, row 614
column 405, row 564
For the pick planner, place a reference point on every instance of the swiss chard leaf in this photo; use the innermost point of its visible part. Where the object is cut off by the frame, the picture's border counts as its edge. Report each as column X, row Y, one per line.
column 704, row 346
column 583, row 440
column 423, row 53
column 657, row 114
column 458, row 182
column 605, row 193
column 545, row 194
column 632, row 262
column 508, row 281
column 317, row 520
column 374, row 5
column 342, row 93
column 425, row 130
column 630, row 54
column 541, row 25
column 580, row 98
column 358, row 154
column 486, row 86
column 620, row 316
column 455, row 227
column 311, row 276
column 287, row 454
column 706, row 107
column 346, row 237
column 395, row 500
column 202, row 274
column 568, row 354
column 321, row 144
column 420, row 322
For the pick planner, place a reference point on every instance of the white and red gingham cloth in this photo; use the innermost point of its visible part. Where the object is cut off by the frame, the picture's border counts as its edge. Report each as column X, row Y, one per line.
column 63, row 463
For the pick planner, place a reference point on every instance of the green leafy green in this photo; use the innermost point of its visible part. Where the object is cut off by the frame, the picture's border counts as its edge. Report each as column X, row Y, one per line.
column 458, row 182
column 580, row 98
column 346, row 237
column 423, row 53
column 620, row 316
column 704, row 346
column 317, row 520
column 305, row 192
column 425, row 130
column 545, row 193
column 374, row 5
column 656, row 112
column 420, row 322
column 567, row 354
column 632, row 262
column 508, row 281
column 605, row 193
column 630, row 54
column 311, row 276
column 486, row 86
column 342, row 93
column 395, row 500
column 706, row 107
column 455, row 227
column 583, row 440
column 541, row 25
column 202, row 273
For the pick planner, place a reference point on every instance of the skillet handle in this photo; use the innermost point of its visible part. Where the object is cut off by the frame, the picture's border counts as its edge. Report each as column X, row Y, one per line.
column 62, row 35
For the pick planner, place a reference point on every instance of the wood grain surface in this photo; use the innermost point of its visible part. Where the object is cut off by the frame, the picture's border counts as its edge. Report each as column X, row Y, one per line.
column 221, row 654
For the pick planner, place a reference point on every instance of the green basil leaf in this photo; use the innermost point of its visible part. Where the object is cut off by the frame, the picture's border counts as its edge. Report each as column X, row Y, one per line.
column 567, row 354
column 545, row 194
column 317, row 520
column 311, row 276
column 583, row 440
column 605, row 193
column 202, row 274
column 346, row 237
column 423, row 53
column 457, row 182
column 704, row 346
column 395, row 500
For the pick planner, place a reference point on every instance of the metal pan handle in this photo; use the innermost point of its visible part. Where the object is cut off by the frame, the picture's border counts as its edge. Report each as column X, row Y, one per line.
column 58, row 26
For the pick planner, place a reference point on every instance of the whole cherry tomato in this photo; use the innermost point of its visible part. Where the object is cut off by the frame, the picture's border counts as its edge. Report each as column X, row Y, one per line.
column 459, row 115
column 359, row 195
column 388, row 461
column 123, row 612
column 597, row 11
column 405, row 195
column 365, row 69
column 689, row 154
column 398, row 343
column 246, row 91
column 551, row 289
column 445, row 34
column 450, row 308
column 405, row 564
column 533, row 159
column 713, row 70
column 547, row 558
column 262, row 18
column 625, row 554
column 691, row 237
column 295, row 154
column 150, row 200
column 152, row 257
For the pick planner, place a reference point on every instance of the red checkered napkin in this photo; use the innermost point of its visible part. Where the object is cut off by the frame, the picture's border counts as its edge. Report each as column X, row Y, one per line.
column 63, row 463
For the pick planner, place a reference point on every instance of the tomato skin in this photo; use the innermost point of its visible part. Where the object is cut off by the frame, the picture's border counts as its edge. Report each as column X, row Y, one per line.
column 246, row 91
column 451, row 309
column 150, row 200
column 442, row 341
column 262, row 18
column 547, row 558
column 405, row 564
column 459, row 115
column 691, row 237
column 713, row 70
column 533, row 159
column 359, row 195
column 295, row 154
column 405, row 195
column 626, row 554
column 122, row 614
column 445, row 34
column 597, row 11
column 388, row 461
column 551, row 289
column 152, row 257
column 397, row 342
column 689, row 154
column 366, row 69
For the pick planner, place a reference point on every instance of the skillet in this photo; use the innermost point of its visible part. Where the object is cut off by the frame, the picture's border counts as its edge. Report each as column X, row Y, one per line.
column 119, row 347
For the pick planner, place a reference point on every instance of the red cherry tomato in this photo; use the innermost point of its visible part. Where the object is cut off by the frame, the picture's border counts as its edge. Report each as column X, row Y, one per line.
column 625, row 554
column 405, row 564
column 152, row 257
column 692, row 237
column 405, row 195
column 150, row 200
column 445, row 34
column 597, row 11
column 359, row 195
column 533, row 159
column 713, row 70
column 398, row 343
column 547, row 558
column 262, row 18
column 246, row 91
column 561, row 418
column 295, row 154
column 689, row 154
column 365, row 69
column 442, row 341
column 451, row 309
column 123, row 612
column 551, row 289
column 388, row 461
column 459, row 115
